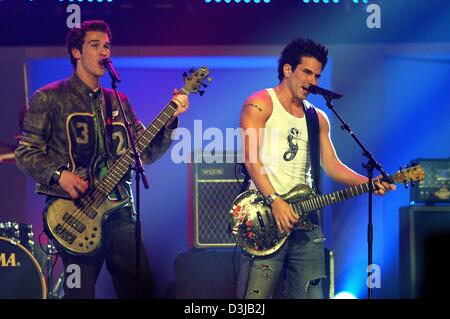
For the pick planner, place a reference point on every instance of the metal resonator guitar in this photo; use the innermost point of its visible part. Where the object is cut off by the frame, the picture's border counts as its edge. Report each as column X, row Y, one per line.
column 252, row 223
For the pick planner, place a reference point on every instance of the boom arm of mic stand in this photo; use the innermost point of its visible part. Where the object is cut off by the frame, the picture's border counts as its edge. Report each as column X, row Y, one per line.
column 366, row 152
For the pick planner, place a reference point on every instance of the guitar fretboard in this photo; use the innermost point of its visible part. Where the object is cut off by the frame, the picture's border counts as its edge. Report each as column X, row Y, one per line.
column 320, row 201
column 123, row 164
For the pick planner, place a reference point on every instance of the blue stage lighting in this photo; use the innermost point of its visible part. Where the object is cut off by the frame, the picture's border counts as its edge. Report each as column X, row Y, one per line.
column 334, row 1
column 99, row 1
column 345, row 295
column 238, row 1
column 321, row 1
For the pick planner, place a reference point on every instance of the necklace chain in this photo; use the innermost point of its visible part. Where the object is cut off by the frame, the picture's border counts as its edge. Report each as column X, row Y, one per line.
column 277, row 93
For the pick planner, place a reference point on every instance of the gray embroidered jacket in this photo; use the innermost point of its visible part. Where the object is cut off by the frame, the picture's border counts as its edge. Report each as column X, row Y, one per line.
column 59, row 130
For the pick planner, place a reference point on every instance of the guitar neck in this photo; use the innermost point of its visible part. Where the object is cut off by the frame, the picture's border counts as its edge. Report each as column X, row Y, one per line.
column 122, row 165
column 318, row 202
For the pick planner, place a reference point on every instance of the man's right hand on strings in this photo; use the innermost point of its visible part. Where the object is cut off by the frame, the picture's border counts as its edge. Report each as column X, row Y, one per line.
column 284, row 215
column 73, row 184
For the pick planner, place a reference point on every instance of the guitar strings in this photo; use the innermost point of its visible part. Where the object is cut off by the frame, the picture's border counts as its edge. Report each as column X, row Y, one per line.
column 99, row 194
column 118, row 165
column 79, row 213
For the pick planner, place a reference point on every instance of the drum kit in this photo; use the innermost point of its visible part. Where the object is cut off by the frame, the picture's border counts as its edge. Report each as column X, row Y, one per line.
column 26, row 270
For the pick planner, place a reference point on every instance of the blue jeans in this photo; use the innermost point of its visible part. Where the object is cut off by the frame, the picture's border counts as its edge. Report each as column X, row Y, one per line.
column 295, row 271
column 118, row 250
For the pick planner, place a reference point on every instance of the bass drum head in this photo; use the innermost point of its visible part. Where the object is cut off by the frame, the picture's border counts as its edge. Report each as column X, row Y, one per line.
column 20, row 274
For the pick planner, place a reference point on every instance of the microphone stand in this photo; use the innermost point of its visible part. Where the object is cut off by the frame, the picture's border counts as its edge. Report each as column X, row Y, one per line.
column 370, row 166
column 139, row 171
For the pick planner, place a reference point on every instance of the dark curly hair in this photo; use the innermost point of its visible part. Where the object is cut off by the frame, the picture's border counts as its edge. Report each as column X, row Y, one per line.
column 75, row 37
column 299, row 48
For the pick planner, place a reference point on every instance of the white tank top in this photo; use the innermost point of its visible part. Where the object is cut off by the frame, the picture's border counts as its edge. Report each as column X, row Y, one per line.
column 284, row 148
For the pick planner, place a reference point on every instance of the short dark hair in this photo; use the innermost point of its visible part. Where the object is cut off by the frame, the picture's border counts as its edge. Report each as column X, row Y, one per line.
column 75, row 37
column 299, row 48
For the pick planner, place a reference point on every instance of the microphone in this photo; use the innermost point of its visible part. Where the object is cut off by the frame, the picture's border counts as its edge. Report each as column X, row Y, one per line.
column 112, row 72
column 325, row 93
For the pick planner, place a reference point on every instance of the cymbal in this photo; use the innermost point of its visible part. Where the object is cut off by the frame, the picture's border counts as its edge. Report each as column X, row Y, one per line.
column 7, row 158
column 6, row 153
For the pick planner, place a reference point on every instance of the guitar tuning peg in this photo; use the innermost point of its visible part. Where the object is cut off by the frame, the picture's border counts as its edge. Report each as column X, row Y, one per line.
column 201, row 92
column 413, row 184
column 205, row 85
column 191, row 70
column 413, row 163
column 209, row 79
column 406, row 185
column 184, row 74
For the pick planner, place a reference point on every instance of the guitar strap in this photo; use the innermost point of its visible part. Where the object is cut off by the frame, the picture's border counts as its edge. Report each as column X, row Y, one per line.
column 108, row 124
column 312, row 123
column 246, row 182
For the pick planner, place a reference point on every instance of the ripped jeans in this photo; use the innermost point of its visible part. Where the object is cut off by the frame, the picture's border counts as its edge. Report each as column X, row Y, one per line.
column 295, row 271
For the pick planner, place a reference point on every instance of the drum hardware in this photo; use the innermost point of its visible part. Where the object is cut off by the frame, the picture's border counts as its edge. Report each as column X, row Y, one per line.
column 55, row 290
column 51, row 258
column 17, row 246
column 58, row 289
column 19, row 232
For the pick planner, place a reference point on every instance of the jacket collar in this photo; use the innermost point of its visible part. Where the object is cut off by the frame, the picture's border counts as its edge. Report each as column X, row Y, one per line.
column 82, row 87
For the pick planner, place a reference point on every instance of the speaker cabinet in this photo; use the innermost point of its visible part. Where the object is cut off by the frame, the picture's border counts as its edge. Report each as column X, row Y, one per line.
column 214, row 188
column 424, row 243
column 206, row 274
column 213, row 274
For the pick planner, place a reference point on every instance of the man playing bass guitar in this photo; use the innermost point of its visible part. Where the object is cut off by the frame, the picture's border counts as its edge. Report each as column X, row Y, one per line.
column 65, row 146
